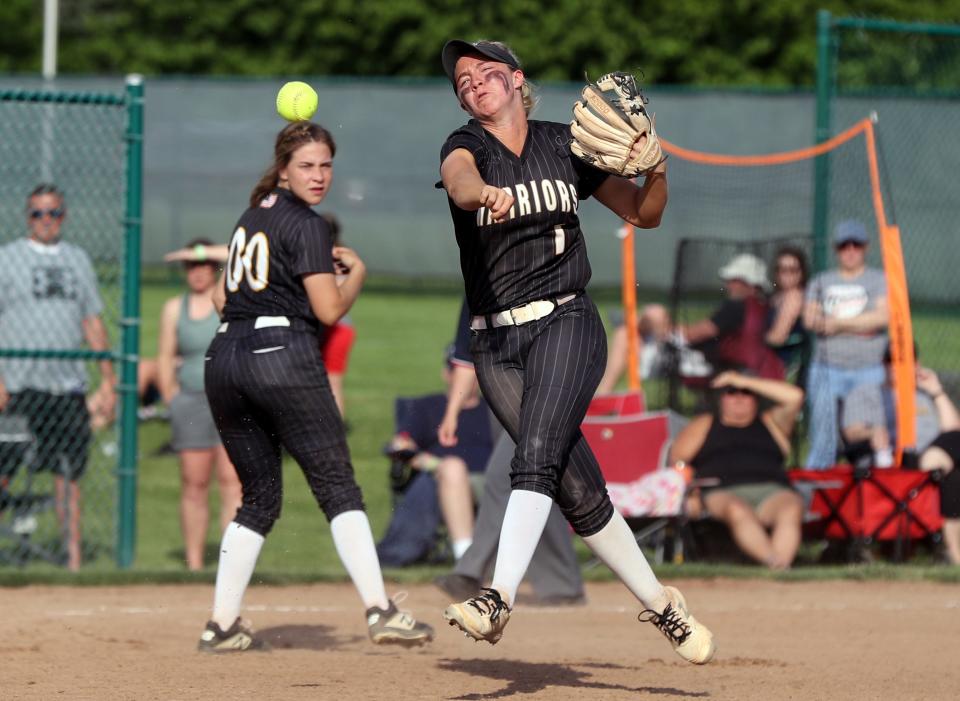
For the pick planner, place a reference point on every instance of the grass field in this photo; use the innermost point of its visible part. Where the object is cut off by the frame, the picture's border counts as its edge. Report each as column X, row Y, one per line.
column 401, row 336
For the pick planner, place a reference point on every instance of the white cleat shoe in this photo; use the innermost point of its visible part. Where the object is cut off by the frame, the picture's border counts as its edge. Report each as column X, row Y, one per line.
column 396, row 627
column 692, row 640
column 482, row 617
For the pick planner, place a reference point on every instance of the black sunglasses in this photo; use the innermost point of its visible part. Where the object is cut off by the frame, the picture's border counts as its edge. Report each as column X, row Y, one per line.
column 731, row 391
column 39, row 213
column 847, row 244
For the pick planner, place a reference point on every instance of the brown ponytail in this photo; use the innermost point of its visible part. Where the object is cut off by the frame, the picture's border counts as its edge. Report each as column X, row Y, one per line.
column 290, row 138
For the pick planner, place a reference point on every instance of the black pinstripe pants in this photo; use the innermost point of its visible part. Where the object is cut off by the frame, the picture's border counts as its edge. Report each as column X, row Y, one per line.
column 539, row 379
column 268, row 388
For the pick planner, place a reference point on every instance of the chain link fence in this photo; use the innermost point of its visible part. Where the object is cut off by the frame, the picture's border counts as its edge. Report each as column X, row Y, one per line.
column 63, row 216
column 909, row 74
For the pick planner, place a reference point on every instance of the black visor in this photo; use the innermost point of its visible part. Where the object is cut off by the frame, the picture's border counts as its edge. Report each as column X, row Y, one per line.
column 455, row 49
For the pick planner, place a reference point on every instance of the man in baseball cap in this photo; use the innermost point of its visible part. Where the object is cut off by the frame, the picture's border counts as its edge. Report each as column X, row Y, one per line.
column 851, row 231
column 847, row 310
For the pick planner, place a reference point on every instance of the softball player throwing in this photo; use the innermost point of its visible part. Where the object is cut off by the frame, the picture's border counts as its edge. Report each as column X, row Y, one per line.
column 267, row 385
column 539, row 346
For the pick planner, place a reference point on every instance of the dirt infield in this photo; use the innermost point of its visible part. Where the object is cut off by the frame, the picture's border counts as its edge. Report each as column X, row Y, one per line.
column 823, row 640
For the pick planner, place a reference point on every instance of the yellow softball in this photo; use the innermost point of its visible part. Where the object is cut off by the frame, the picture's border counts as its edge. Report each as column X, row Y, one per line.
column 296, row 101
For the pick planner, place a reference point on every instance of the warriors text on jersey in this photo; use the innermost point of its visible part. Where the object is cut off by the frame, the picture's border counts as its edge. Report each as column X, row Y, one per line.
column 537, row 251
column 273, row 245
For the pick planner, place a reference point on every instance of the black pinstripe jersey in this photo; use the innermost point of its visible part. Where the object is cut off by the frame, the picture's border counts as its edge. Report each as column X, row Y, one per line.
column 273, row 245
column 538, row 251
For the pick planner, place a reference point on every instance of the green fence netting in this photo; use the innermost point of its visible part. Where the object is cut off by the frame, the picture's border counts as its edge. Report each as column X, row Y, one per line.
column 69, row 262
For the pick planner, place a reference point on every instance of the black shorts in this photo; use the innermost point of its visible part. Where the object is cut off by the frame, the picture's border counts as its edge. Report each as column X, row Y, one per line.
column 949, row 442
column 60, row 424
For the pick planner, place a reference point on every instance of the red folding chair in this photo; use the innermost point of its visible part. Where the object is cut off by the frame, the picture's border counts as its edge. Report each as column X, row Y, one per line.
column 631, row 450
column 617, row 404
column 866, row 505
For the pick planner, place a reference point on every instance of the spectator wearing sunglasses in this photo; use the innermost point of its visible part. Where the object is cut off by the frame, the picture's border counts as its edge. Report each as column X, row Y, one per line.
column 51, row 301
column 740, row 448
column 846, row 311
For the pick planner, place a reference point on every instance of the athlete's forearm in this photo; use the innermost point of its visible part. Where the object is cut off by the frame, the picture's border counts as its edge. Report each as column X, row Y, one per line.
column 465, row 189
column 351, row 286
column 651, row 200
column 462, row 180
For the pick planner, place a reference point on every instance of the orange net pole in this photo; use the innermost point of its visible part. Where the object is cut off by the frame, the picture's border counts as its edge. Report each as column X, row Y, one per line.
column 629, row 296
column 769, row 159
column 902, row 358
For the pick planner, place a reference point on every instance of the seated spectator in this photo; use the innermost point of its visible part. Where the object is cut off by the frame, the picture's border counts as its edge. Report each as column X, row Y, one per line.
column 653, row 329
column 734, row 335
column 450, row 467
column 786, row 333
column 847, row 311
column 870, row 429
column 743, row 448
column 869, row 420
column 944, row 454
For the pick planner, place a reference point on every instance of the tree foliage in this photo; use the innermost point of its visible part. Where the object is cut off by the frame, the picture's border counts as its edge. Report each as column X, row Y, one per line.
column 731, row 42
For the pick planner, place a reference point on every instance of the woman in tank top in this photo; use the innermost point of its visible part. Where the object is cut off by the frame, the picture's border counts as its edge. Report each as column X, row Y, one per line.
column 187, row 324
column 743, row 448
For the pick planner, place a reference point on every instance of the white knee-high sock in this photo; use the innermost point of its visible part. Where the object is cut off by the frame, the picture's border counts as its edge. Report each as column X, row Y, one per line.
column 358, row 553
column 239, row 550
column 616, row 547
column 523, row 524
column 460, row 546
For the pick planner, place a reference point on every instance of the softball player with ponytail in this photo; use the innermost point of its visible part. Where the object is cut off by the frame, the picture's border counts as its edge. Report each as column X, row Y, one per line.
column 539, row 345
column 268, row 387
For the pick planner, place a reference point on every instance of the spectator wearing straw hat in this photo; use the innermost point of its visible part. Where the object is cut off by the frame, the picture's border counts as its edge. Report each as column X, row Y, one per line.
column 846, row 310
column 188, row 322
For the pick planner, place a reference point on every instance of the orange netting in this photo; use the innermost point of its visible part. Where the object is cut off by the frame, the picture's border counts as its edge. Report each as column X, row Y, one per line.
column 900, row 328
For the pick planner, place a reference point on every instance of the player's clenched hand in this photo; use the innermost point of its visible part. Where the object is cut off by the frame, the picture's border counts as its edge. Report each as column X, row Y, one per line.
column 345, row 259
column 495, row 199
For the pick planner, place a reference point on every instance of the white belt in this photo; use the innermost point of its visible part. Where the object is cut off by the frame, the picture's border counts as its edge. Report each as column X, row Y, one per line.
column 261, row 322
column 518, row 316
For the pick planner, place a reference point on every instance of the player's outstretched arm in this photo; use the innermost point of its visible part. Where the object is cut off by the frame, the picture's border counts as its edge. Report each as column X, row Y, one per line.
column 640, row 205
column 466, row 187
